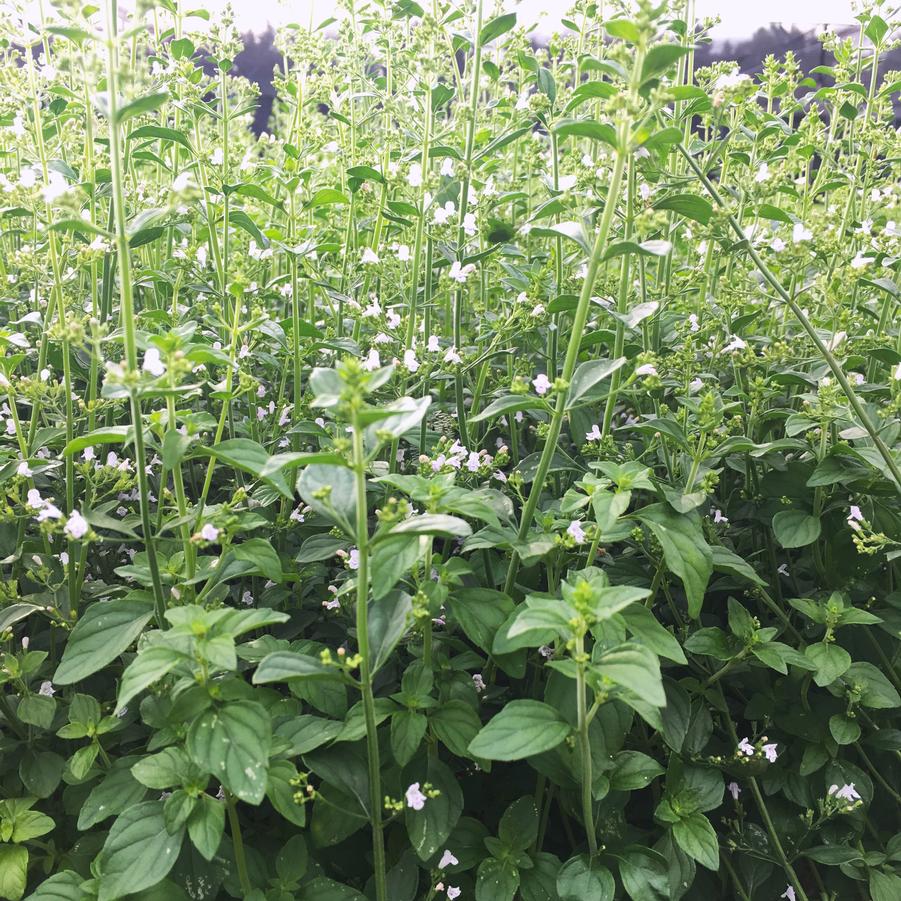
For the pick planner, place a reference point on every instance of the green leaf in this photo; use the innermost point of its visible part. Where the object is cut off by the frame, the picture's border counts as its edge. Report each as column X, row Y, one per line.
column 644, row 874
column 389, row 619
column 249, row 456
column 884, row 886
column 232, row 743
column 496, row 27
column 589, row 374
column 685, row 550
column 581, row 878
column 115, row 793
column 282, row 666
column 697, row 838
column 830, row 659
column 162, row 133
column 632, row 770
column 260, row 552
column 13, row 871
column 662, row 57
column 151, row 664
column 331, row 492
column 140, row 106
column 691, row 206
column 623, row 29
column 522, row 729
column 138, row 853
column 455, row 725
column 114, row 434
column 106, row 630
column 433, row 524
column 587, row 128
column 634, row 667
column 496, row 880
column 795, row 528
column 327, row 197
column 429, row 828
column 511, row 403
column 518, row 829
column 64, row 886
column 206, row 825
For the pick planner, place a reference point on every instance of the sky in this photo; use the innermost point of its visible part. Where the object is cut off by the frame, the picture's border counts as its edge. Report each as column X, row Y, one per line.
column 739, row 17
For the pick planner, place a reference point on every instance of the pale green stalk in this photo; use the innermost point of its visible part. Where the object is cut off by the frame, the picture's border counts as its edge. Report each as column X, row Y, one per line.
column 127, row 317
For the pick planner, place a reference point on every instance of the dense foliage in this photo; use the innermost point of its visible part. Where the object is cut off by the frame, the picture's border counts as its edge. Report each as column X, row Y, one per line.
column 485, row 486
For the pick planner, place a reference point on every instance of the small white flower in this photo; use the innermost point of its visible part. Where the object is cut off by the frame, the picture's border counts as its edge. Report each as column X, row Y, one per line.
column 460, row 273
column 734, row 789
column 763, row 173
column 770, row 752
column 433, row 346
column 855, row 517
column 370, row 257
column 353, row 558
column 209, row 532
column 730, row 80
column 693, row 323
column 414, row 179
column 217, row 157
column 789, row 894
column 448, row 859
column 746, row 747
column 447, row 167
column 403, row 252
column 373, row 361
column 411, row 364
column 479, row 684
column 152, row 362
column 444, row 213
column 576, row 532
column 24, row 470
column 452, row 356
column 566, row 182
column 76, row 526
column 718, row 517
column 594, row 434
column 415, row 798
column 646, row 369
column 845, row 793
column 777, row 245
column 860, row 261
column 453, row 892
column 801, row 233
column 735, row 343
column 541, row 383
column 47, row 689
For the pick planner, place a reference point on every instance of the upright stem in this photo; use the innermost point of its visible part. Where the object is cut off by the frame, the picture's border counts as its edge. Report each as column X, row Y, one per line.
column 569, row 365
column 584, row 749
column 372, row 739
column 127, row 317
column 234, row 826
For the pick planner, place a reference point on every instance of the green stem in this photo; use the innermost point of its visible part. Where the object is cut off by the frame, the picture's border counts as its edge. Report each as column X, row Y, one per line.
column 237, row 843
column 584, row 749
column 127, row 317
column 372, row 739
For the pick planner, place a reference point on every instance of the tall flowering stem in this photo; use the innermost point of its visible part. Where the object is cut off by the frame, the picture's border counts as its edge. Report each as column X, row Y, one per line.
column 578, row 325
column 372, row 740
column 127, row 312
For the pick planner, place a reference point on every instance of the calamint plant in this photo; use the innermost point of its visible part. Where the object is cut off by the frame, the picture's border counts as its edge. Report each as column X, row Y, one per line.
column 481, row 484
